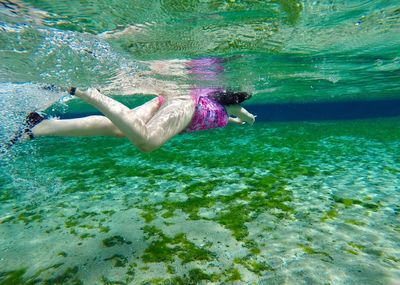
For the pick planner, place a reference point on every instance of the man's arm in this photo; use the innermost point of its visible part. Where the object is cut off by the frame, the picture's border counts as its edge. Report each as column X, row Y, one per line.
column 241, row 113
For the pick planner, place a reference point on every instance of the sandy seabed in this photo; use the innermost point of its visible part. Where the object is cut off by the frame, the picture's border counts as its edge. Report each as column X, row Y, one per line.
column 283, row 204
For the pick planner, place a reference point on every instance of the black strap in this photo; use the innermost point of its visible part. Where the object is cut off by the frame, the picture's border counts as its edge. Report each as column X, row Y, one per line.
column 72, row 90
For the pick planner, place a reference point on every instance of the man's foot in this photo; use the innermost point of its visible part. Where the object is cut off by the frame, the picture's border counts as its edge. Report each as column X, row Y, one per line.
column 81, row 94
column 72, row 91
column 31, row 121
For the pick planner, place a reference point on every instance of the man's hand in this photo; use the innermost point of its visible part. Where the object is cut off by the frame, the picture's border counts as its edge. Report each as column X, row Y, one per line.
column 236, row 121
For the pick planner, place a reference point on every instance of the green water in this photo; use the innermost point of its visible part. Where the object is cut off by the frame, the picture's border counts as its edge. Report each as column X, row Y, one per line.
column 275, row 203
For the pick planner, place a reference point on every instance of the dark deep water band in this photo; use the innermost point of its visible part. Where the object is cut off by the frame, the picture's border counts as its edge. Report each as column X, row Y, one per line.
column 324, row 111
column 312, row 111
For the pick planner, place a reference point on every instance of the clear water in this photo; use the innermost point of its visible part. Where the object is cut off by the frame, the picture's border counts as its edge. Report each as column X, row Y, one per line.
column 313, row 202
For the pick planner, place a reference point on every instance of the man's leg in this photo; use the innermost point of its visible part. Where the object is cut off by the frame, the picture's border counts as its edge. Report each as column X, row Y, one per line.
column 87, row 126
column 93, row 125
column 167, row 122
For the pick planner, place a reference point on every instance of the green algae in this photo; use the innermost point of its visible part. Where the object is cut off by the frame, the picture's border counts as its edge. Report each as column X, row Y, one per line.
column 104, row 229
column 73, row 232
column 192, row 206
column 352, row 251
column 356, row 245
column 267, row 194
column 86, row 236
column 66, row 277
column 197, row 276
column 151, row 231
column 330, row 214
column 264, row 194
column 62, row 253
column 354, row 222
column 253, row 265
column 271, row 194
column 89, row 227
column 115, row 240
column 118, row 259
column 28, row 217
column 6, row 194
column 57, row 265
column 158, row 251
column 75, row 220
column 197, row 199
column 164, row 248
column 107, row 281
column 232, row 274
column 167, row 214
column 170, row 269
column 392, row 170
column 251, row 245
column 131, row 272
column 193, row 277
column 86, row 214
column 374, row 251
column 108, row 212
column 7, row 219
column 15, row 277
column 348, row 202
column 154, row 281
column 393, row 259
column 355, row 248
column 234, row 219
column 309, row 250
column 292, row 8
column 62, row 205
column 71, row 222
column 188, row 251
column 148, row 215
